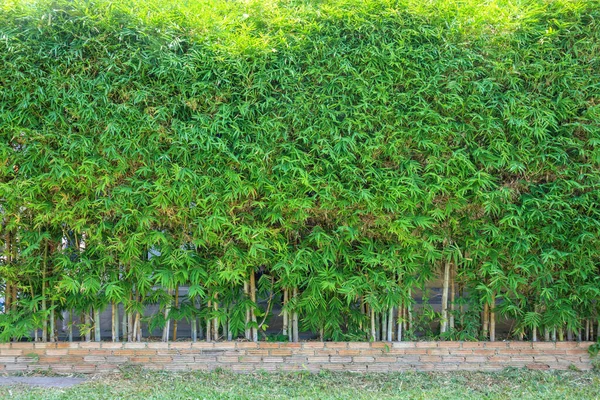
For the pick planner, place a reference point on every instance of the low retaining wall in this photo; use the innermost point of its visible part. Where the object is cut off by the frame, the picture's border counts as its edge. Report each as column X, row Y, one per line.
column 86, row 357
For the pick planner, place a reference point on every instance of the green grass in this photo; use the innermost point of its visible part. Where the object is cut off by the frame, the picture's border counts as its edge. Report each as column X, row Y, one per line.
column 509, row 384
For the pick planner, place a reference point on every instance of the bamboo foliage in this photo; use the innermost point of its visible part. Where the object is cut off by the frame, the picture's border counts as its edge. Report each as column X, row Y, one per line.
column 332, row 159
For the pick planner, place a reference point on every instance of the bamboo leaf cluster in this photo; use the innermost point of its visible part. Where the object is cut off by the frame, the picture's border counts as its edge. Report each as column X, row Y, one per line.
column 329, row 160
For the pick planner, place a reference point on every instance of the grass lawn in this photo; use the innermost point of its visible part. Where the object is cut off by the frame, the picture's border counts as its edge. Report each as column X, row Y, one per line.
column 509, row 384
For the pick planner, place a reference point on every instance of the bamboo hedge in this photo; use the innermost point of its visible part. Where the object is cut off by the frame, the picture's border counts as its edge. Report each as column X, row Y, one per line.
column 333, row 157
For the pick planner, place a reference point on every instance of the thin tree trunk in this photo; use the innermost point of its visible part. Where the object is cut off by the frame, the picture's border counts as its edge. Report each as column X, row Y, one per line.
column 399, row 323
column 52, row 324
column 390, row 324
column 215, row 319
column 208, row 322
column 137, row 327
column 561, row 334
column 587, row 330
column 115, row 322
column 534, row 334
column 88, row 326
column 373, row 329
column 124, row 326
column 554, row 334
column 252, row 313
column 167, row 327
column 377, row 327
column 493, row 319
column 70, row 327
column 384, row 315
column 295, row 333
column 452, row 296
column 176, row 305
column 444, row 320
column 97, row 331
column 44, row 305
column 409, row 323
column 248, row 331
column 285, row 313
column 546, row 334
column 486, row 320
column 569, row 335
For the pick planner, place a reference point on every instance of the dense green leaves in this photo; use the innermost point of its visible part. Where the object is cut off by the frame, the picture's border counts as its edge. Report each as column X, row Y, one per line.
column 348, row 151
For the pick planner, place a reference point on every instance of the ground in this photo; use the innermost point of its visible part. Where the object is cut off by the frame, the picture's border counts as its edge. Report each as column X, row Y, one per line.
column 509, row 384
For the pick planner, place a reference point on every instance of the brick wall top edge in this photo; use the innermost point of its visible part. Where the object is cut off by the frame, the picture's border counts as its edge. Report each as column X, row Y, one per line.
column 283, row 345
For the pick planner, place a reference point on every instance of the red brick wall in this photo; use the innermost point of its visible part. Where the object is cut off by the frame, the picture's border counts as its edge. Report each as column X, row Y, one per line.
column 313, row 356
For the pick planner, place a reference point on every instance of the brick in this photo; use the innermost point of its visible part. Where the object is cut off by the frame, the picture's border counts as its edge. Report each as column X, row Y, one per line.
column 566, row 345
column 430, row 358
column 89, row 345
column 180, row 345
column 438, row 352
column 460, row 352
column 378, row 367
column 16, row 367
column 386, row 359
column 144, row 352
column 246, row 345
column 228, row 359
column 381, row 345
column 427, row 345
column 250, row 359
column 403, row 345
column 323, row 359
column 79, row 352
column 163, row 346
column 134, row 345
column 184, row 359
column 7, row 359
column 484, row 352
column 139, row 359
column 225, row 346
column 95, row 359
column 450, row 345
column 338, row 359
column 26, row 345
column 112, row 345
column 313, row 345
column 472, row 345
column 538, row 366
column 350, row 352
column 521, row 345
column 57, row 352
column 495, row 345
column 263, row 352
column 453, row 359
column 11, row 352
column 280, row 352
column 160, row 359
column 543, row 345
column 358, row 345
column 129, row 352
column 543, row 358
column 475, row 359
column 336, row 345
column 362, row 359
column 273, row 359
column 268, row 345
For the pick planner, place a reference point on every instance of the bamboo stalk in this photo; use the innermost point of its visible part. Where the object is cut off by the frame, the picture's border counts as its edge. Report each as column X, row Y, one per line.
column 390, row 324
column 384, row 325
column 446, row 283
column 125, row 327
column 215, row 319
column 167, row 327
column 70, row 327
column 88, row 326
column 97, row 331
column 493, row 319
column 295, row 334
column 373, row 330
column 248, row 332
column 252, row 313
column 115, row 322
column 452, row 296
column 399, row 323
column 176, row 305
column 208, row 322
column 486, row 320
column 285, row 313
column 52, row 324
